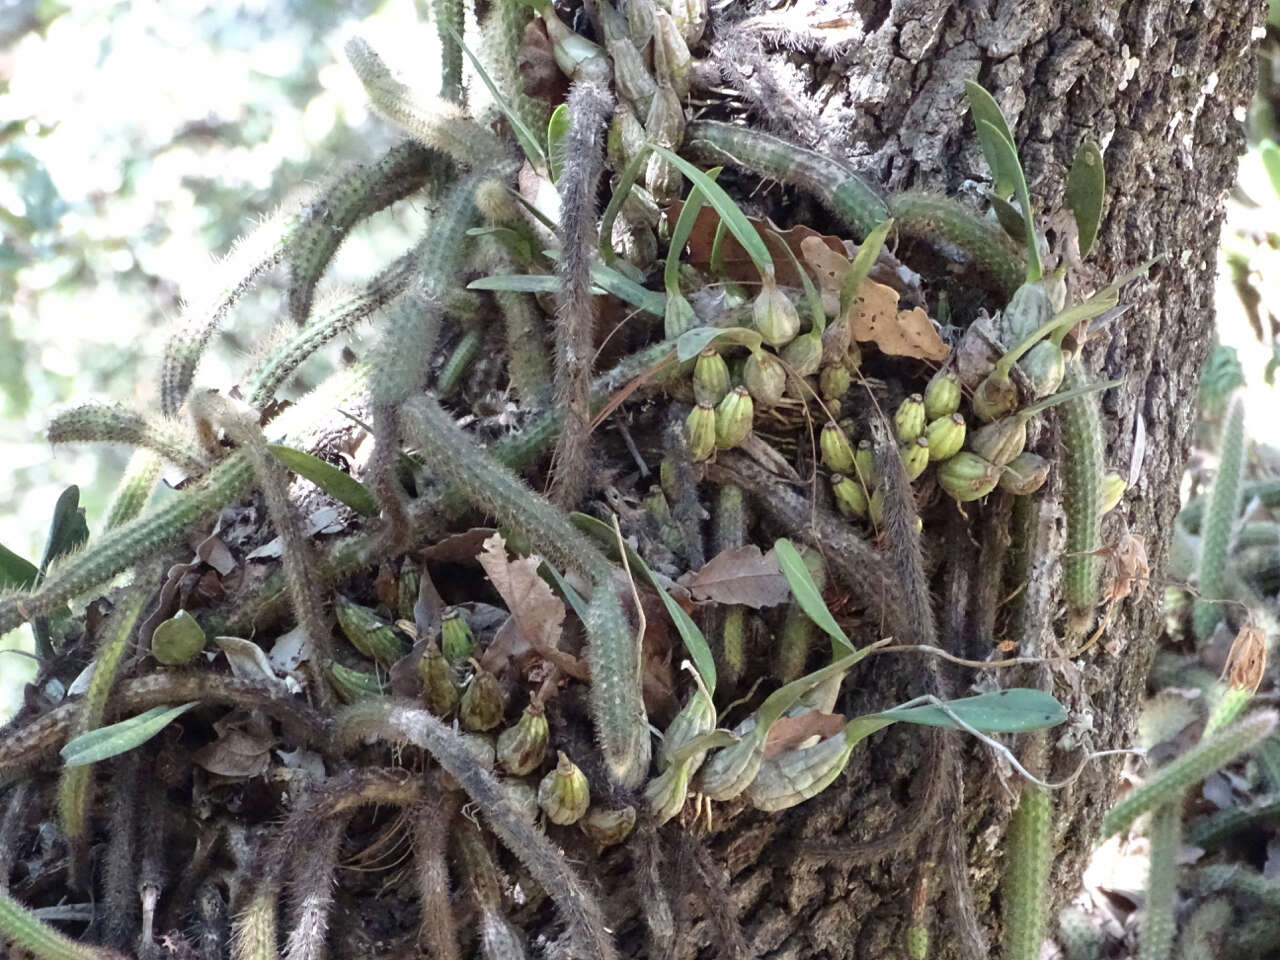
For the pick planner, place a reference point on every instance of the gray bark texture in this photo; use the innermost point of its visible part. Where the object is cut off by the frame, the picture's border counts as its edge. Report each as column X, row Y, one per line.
column 1162, row 86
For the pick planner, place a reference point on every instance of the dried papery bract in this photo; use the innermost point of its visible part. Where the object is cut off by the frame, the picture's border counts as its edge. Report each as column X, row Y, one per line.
column 547, row 864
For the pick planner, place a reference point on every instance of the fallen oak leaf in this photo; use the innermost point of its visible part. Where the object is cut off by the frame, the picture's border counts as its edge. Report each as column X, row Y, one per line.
column 743, row 576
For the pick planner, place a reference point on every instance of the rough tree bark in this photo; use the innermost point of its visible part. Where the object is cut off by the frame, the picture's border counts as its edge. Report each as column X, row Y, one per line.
column 1162, row 87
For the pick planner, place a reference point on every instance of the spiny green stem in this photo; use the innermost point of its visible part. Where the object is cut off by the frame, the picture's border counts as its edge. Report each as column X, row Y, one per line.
column 254, row 934
column 1204, row 758
column 449, row 27
column 944, row 220
column 844, row 192
column 503, row 36
column 439, row 124
column 1164, row 839
column 109, row 422
column 1219, row 519
column 460, row 360
column 134, row 490
column 388, row 720
column 353, row 195
column 1082, row 468
column 75, row 788
column 20, row 926
column 1029, row 855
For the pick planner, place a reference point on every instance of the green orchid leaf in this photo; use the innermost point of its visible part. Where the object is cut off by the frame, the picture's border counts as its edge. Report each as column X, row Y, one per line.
column 1086, row 189
column 117, row 738
column 341, row 486
column 1017, row 710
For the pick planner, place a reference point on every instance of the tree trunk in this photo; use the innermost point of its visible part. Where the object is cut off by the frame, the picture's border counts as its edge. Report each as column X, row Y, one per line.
column 1162, row 88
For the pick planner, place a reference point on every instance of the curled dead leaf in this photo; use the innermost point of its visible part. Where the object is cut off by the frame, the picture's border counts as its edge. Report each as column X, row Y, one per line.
column 789, row 733
column 742, row 575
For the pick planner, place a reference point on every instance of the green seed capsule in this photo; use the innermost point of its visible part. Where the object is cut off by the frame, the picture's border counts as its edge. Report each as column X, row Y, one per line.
column 995, row 397
column 369, row 633
column 522, row 747
column 946, row 437
column 482, row 707
column 607, row 827
column 864, row 463
column 804, row 353
column 966, row 476
column 456, row 639
column 774, row 315
column 733, row 418
column 1044, row 366
column 875, row 507
column 915, row 457
column 850, row 497
column 695, row 718
column 834, row 381
column 836, row 452
column 353, row 685
column 701, row 425
column 564, row 793
column 942, row 395
column 765, row 378
column 1001, row 441
column 1029, row 309
column 1113, row 488
column 710, row 377
column 407, row 589
column 666, row 793
column 1025, row 474
column 672, row 61
column 918, row 942
column 178, row 640
column 439, row 692
column 909, row 421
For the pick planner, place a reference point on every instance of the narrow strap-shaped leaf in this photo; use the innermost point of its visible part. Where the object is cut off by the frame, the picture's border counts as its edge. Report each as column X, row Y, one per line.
column 1006, row 711
column 117, row 738
column 339, row 485
column 1086, row 188
column 808, row 596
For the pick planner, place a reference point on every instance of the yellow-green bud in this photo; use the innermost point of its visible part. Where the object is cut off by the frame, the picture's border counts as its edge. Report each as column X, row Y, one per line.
column 522, row 747
column 966, row 476
column 456, row 639
column 482, row 705
column 733, row 418
column 1025, row 474
column 178, row 640
column 774, row 315
column 710, row 377
column 369, row 633
column 764, row 376
column 701, row 424
column 908, row 422
column 915, row 457
column 836, row 452
column 439, row 692
column 834, row 381
column 564, row 793
column 942, row 395
column 851, row 499
column 1001, row 441
column 864, row 463
column 607, row 827
column 945, row 436
column 353, row 685
column 1113, row 488
column 804, row 353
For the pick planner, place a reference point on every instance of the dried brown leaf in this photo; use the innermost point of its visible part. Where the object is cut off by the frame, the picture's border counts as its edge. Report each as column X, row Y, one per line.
column 460, row 547
column 236, row 754
column 742, row 575
column 875, row 316
column 789, row 732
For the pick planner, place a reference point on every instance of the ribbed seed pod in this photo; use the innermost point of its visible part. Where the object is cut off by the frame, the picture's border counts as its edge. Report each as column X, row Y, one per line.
column 851, row 499
column 369, row 633
column 665, row 126
column 909, row 420
column 734, row 416
column 915, row 457
column 666, row 793
column 774, row 315
column 967, row 476
column 1025, row 474
column 407, row 589
column 942, row 395
column 1044, row 366
column 804, row 353
column 875, row 507
column 765, row 378
column 353, row 685
column 1113, row 488
column 710, row 377
column 456, row 639
column 836, row 452
column 695, row 718
column 701, row 427
column 795, row 776
column 946, row 436
column 482, row 707
column 607, row 827
column 730, row 769
column 1029, row 309
column 178, row 640
column 834, row 381
column 563, row 794
column 521, row 748
column 999, row 442
column 672, row 61
column 994, row 397
column 435, row 678
column 864, row 463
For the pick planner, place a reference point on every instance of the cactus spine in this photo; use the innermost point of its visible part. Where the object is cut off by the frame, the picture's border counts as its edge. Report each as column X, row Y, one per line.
column 1224, row 503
